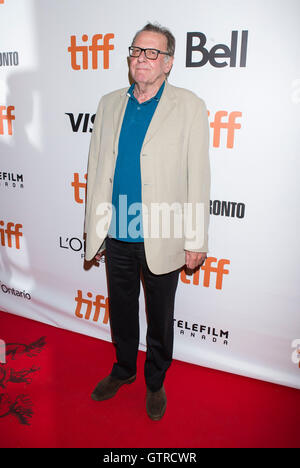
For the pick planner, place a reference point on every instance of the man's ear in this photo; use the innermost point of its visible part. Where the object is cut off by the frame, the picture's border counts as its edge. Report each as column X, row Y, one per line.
column 168, row 63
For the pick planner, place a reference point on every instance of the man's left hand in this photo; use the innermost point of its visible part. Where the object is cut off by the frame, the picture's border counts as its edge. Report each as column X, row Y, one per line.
column 194, row 259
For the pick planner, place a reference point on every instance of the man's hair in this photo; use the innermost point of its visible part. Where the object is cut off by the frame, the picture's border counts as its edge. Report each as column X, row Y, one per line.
column 157, row 28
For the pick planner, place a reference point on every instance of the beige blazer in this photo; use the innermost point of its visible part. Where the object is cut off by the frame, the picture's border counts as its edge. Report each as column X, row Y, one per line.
column 175, row 172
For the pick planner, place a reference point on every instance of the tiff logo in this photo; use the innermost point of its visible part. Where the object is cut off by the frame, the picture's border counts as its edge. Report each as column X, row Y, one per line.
column 208, row 269
column 99, row 303
column 94, row 48
column 78, row 186
column 2, row 349
column 6, row 114
column 230, row 125
column 12, row 231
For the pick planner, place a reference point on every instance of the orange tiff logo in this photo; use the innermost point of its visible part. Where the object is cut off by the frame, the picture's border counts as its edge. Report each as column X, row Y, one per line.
column 91, row 306
column 6, row 114
column 80, row 53
column 77, row 186
column 11, row 232
column 208, row 269
column 229, row 125
column 1, row 1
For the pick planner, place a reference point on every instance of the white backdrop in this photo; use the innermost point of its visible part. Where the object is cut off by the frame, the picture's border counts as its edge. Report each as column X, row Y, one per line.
column 241, row 313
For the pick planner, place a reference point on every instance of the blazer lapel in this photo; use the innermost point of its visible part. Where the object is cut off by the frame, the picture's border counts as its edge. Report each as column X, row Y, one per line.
column 165, row 106
column 119, row 112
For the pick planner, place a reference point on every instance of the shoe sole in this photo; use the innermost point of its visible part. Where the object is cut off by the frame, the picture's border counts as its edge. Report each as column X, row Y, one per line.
column 111, row 395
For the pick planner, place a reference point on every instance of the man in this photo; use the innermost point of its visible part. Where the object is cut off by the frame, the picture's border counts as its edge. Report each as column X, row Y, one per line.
column 148, row 155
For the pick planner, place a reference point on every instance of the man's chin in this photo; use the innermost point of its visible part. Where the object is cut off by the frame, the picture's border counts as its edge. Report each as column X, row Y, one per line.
column 141, row 76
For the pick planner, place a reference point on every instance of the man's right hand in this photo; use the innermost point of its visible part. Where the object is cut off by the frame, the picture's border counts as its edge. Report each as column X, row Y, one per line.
column 98, row 256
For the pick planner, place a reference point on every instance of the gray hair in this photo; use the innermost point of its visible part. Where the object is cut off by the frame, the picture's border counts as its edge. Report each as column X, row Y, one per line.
column 157, row 28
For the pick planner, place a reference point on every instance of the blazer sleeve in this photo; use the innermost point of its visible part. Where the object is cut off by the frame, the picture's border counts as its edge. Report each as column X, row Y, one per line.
column 93, row 158
column 198, row 183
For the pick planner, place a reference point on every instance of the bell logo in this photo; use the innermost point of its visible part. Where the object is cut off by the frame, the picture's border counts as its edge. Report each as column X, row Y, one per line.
column 12, row 231
column 6, row 114
column 208, row 269
column 100, row 303
column 94, row 48
column 217, row 51
column 230, row 125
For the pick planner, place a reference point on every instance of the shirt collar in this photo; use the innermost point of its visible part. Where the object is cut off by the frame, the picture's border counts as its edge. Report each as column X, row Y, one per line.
column 156, row 97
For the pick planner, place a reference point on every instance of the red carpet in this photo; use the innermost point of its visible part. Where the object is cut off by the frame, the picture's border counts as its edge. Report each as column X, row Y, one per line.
column 49, row 373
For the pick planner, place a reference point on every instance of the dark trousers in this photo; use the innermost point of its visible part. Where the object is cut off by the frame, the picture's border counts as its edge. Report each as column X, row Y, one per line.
column 125, row 263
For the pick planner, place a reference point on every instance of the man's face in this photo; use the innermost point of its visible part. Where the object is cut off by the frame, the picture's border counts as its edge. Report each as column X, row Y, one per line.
column 150, row 72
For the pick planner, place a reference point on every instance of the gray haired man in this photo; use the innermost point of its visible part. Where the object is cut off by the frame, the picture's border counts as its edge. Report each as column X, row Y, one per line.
column 149, row 146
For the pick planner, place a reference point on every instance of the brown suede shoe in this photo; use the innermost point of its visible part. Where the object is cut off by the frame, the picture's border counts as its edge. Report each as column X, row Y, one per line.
column 156, row 403
column 108, row 387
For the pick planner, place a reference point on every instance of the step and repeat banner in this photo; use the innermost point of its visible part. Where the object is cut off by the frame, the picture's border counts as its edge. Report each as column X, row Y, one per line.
column 239, row 312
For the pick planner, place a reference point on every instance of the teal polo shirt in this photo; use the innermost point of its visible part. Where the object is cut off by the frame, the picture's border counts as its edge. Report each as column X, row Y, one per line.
column 126, row 224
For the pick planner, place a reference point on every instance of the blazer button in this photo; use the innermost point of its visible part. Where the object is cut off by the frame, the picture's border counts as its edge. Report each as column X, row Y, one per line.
column 110, row 180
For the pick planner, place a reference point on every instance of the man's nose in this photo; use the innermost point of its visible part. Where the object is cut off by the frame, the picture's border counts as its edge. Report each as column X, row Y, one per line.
column 142, row 57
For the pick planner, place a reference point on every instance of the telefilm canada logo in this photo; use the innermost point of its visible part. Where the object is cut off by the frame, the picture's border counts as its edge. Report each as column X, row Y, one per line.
column 205, row 333
column 11, row 179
